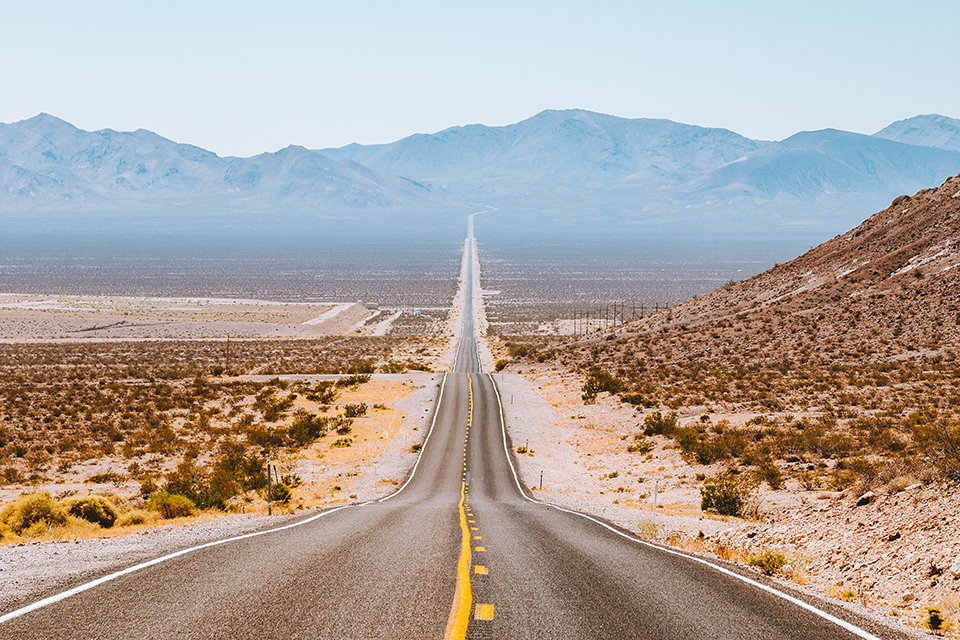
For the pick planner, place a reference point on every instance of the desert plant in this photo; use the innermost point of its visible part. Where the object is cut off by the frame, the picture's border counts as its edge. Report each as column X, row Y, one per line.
column 33, row 510
column 726, row 493
column 657, row 424
column 597, row 381
column 292, row 480
column 135, row 517
column 354, row 410
column 770, row 473
column 935, row 620
column 415, row 447
column 340, row 443
column 93, row 508
column 171, row 505
column 640, row 445
column 281, row 493
column 307, row 427
column 770, row 562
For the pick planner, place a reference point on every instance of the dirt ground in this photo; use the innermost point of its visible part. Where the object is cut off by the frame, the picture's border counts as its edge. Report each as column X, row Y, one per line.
column 38, row 318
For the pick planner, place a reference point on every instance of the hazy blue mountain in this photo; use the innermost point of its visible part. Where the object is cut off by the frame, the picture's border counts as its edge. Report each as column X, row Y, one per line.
column 569, row 165
column 48, row 164
column 925, row 131
column 568, row 150
column 573, row 170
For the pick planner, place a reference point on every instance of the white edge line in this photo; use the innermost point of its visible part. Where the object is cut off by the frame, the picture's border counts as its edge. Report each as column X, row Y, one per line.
column 796, row 601
column 143, row 565
column 436, row 412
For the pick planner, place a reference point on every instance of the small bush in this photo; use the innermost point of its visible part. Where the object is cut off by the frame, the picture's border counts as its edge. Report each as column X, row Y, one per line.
column 771, row 562
column 727, row 494
column 352, row 381
column 96, row 509
column 355, row 410
column 282, row 493
column 12, row 475
column 640, row 445
column 501, row 365
column 414, row 448
column 521, row 449
column 770, row 474
column 32, row 509
column 292, row 480
column 104, row 478
column 657, row 424
column 171, row 505
column 340, row 443
column 135, row 517
column 638, row 400
column 935, row 620
column 597, row 381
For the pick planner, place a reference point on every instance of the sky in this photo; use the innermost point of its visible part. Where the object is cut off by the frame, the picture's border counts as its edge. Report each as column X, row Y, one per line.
column 241, row 78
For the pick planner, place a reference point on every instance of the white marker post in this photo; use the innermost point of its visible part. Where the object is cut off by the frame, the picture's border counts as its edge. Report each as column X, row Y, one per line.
column 656, row 489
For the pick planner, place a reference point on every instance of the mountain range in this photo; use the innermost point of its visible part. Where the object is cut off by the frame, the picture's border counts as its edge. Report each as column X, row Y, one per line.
column 576, row 169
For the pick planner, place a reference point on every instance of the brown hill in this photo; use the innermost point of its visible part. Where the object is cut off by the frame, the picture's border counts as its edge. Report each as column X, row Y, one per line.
column 878, row 304
column 885, row 290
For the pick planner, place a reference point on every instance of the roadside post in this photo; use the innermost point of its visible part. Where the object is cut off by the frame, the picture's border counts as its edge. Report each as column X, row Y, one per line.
column 541, row 481
column 269, row 490
column 656, row 489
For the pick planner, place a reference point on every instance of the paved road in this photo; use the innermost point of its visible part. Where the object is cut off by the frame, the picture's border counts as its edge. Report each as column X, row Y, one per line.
column 460, row 551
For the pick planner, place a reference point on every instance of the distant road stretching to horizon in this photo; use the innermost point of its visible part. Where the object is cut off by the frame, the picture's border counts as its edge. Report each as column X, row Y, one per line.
column 460, row 551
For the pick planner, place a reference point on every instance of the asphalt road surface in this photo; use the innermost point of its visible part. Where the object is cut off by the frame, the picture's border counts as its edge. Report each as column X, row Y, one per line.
column 460, row 551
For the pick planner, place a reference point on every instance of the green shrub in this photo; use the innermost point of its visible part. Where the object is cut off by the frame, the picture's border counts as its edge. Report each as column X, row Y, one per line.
column 343, row 425
column 935, row 620
column 307, row 427
column 771, row 562
column 281, row 493
column 292, row 480
column 657, row 424
column 171, row 505
column 352, row 381
column 415, row 447
column 135, row 517
column 12, row 475
column 726, row 493
column 32, row 509
column 340, row 443
column 355, row 410
column 770, row 473
column 501, row 365
column 96, row 509
column 840, row 479
column 599, row 380
column 638, row 400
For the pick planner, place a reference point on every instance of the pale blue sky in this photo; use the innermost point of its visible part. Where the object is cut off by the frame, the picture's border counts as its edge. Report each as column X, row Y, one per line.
column 240, row 78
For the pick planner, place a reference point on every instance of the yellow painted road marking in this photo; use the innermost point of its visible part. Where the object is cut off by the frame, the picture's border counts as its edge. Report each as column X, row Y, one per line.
column 484, row 612
column 478, row 537
column 480, row 549
column 462, row 598
column 474, row 528
column 480, row 569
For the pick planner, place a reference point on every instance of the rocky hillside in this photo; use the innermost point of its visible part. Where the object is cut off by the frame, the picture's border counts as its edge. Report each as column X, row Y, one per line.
column 885, row 291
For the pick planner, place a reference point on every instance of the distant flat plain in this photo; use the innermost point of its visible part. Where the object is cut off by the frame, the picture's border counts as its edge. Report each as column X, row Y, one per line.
column 538, row 276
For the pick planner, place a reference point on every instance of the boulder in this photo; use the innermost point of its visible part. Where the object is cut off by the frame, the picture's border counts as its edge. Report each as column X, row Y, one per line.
column 866, row 498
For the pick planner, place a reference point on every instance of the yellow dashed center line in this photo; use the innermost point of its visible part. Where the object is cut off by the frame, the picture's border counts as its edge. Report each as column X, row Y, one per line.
column 480, row 549
column 480, row 570
column 462, row 598
column 484, row 612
